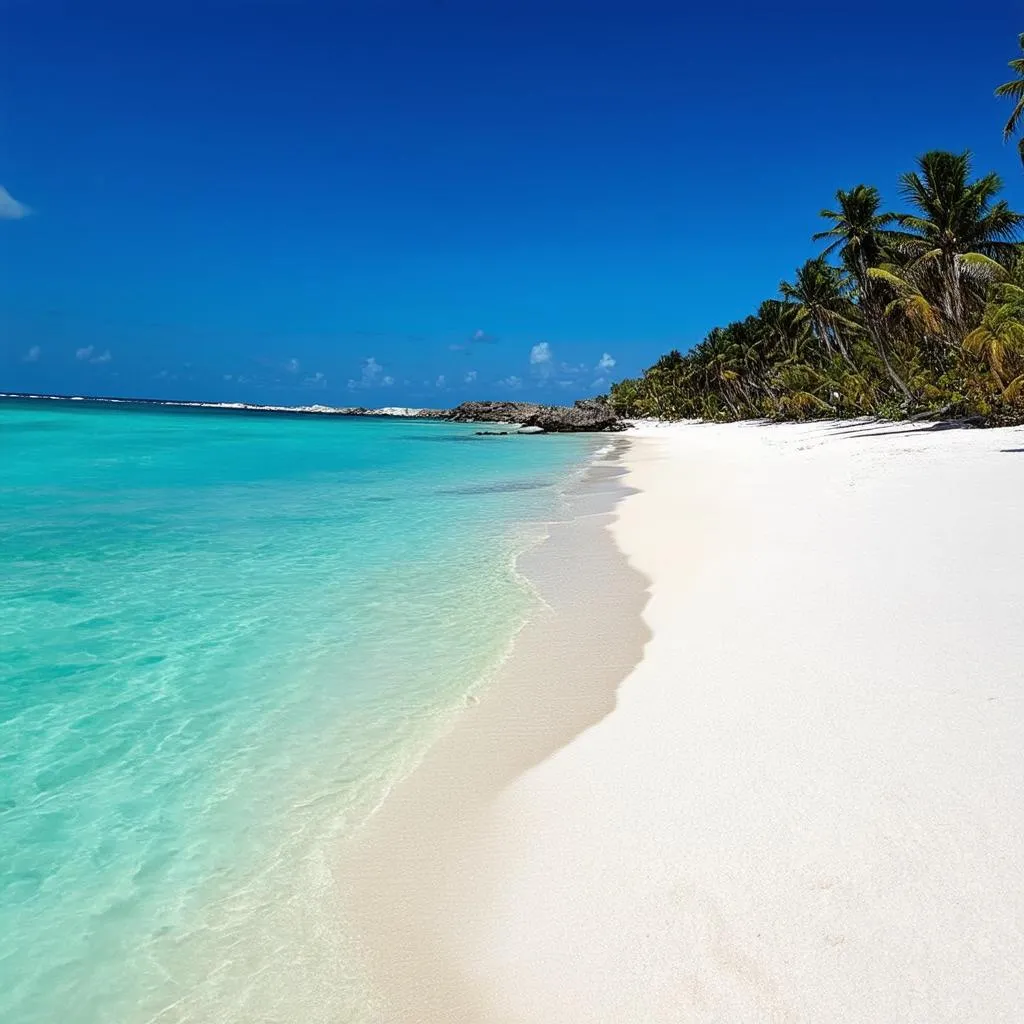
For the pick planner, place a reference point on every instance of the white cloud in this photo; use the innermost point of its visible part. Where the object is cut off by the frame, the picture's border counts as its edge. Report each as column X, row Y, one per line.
column 89, row 353
column 512, row 382
column 10, row 208
column 228, row 376
column 479, row 335
column 316, row 380
column 440, row 382
column 32, row 355
column 542, row 361
column 292, row 366
column 540, row 354
column 606, row 362
column 371, row 376
column 470, row 377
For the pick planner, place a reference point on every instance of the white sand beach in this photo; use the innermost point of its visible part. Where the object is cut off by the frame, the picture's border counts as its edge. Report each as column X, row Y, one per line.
column 806, row 801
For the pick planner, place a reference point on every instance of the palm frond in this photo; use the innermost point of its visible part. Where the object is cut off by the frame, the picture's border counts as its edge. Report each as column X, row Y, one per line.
column 1014, row 390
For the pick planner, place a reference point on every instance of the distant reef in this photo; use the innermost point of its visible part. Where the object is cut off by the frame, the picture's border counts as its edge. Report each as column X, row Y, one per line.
column 588, row 414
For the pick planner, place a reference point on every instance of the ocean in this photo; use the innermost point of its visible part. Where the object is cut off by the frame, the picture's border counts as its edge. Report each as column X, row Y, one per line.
column 223, row 635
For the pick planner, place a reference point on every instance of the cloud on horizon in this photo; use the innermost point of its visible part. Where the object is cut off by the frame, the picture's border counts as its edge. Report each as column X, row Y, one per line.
column 606, row 362
column 32, row 355
column 10, row 208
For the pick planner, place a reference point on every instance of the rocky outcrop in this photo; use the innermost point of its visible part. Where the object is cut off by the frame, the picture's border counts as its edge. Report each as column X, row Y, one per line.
column 587, row 415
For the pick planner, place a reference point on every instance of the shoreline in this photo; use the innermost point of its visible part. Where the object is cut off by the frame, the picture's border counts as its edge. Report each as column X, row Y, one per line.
column 409, row 865
column 588, row 416
column 800, row 802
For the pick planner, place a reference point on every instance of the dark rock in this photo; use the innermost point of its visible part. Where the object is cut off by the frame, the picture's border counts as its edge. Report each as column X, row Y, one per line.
column 587, row 415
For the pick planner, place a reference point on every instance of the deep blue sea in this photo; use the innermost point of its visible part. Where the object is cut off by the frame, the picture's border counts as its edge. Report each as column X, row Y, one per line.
column 222, row 636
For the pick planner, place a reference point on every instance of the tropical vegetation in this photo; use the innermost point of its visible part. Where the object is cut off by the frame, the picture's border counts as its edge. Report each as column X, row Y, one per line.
column 917, row 311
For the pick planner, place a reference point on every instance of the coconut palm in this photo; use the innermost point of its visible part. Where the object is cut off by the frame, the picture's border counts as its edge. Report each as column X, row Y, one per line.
column 858, row 229
column 908, row 301
column 1014, row 89
column 785, row 332
column 818, row 290
column 959, row 231
column 1001, row 332
column 859, row 232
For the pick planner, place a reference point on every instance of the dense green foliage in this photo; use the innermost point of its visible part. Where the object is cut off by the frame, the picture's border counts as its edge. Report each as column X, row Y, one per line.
column 916, row 311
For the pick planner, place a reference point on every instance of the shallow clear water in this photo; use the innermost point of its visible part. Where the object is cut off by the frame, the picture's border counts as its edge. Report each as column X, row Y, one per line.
column 221, row 636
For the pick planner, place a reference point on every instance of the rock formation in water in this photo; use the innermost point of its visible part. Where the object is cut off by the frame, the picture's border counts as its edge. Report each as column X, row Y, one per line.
column 588, row 414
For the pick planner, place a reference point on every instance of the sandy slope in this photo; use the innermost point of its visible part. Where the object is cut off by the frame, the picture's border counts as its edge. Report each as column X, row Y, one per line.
column 808, row 804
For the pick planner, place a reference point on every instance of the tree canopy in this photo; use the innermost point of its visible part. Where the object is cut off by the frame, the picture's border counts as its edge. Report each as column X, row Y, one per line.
column 914, row 310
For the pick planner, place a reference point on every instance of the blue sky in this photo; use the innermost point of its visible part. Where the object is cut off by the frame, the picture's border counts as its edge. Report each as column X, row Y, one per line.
column 386, row 203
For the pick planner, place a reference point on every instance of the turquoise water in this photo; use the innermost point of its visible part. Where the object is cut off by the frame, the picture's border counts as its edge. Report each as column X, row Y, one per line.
column 222, row 635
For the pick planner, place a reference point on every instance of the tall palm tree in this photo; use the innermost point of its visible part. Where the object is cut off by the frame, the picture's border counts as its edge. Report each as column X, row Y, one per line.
column 858, row 229
column 959, row 230
column 818, row 291
column 783, row 329
column 860, row 232
column 1015, row 90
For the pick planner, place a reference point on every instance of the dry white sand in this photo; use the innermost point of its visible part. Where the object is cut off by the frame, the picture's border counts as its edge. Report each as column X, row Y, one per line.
column 808, row 802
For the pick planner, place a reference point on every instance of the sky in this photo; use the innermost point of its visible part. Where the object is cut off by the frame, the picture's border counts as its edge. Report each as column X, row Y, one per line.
column 421, row 203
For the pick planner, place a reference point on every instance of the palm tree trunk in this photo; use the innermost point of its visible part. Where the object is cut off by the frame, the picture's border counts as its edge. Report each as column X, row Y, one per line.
column 893, row 375
column 874, row 327
column 840, row 347
column 953, row 300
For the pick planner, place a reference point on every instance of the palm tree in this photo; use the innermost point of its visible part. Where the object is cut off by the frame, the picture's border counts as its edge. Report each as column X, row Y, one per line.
column 819, row 294
column 909, row 301
column 784, row 330
column 859, row 232
column 1015, row 90
column 858, row 229
column 1001, row 331
column 959, row 230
